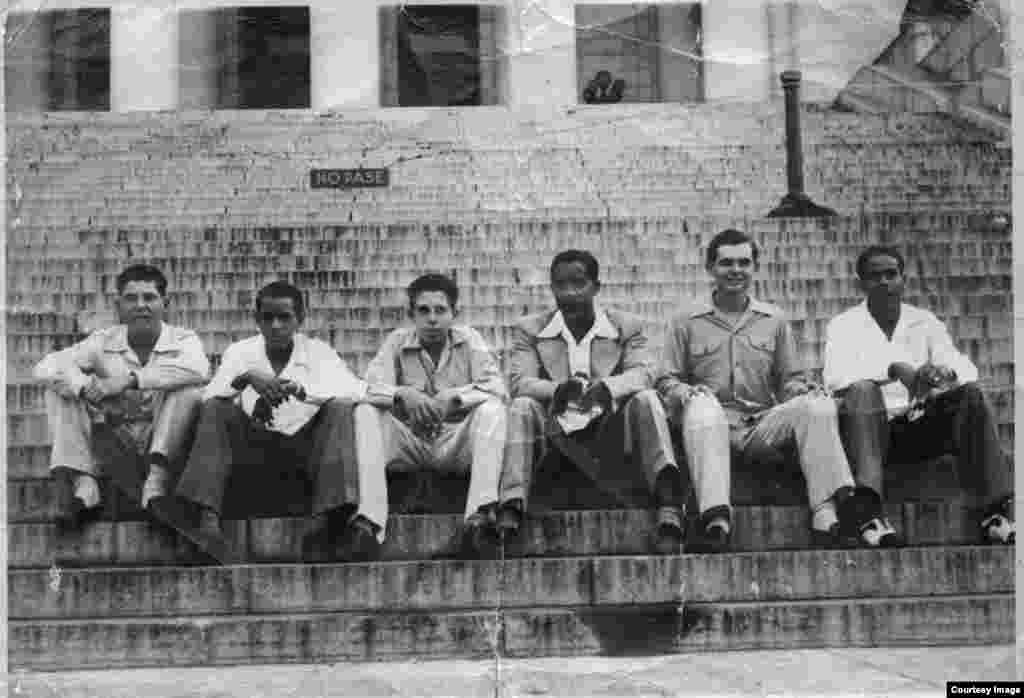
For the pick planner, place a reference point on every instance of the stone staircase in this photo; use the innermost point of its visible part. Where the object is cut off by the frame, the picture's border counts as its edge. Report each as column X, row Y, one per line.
column 221, row 202
column 965, row 73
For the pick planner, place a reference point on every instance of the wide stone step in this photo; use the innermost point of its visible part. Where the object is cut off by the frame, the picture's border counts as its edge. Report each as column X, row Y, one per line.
column 692, row 626
column 429, row 536
column 514, row 583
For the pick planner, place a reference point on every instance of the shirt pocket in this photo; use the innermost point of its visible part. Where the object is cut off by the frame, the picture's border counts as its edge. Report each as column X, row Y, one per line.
column 706, row 359
column 757, row 353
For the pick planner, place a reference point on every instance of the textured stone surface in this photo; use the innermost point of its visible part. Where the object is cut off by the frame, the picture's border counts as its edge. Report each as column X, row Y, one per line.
column 423, row 537
column 515, row 583
column 328, row 638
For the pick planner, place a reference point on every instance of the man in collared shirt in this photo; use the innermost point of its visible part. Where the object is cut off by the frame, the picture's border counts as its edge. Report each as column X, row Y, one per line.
column 142, row 375
column 280, row 396
column 907, row 393
column 581, row 379
column 732, row 378
column 436, row 401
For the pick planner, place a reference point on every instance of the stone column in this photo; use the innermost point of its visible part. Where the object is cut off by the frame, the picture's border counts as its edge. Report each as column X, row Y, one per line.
column 344, row 49
column 143, row 58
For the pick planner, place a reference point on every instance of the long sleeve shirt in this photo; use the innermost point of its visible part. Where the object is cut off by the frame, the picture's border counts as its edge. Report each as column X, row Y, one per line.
column 466, row 368
column 614, row 352
column 176, row 360
column 747, row 365
column 313, row 364
column 857, row 349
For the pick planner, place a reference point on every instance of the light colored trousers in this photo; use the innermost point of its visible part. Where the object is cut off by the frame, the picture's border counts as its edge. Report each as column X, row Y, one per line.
column 70, row 425
column 809, row 422
column 384, row 443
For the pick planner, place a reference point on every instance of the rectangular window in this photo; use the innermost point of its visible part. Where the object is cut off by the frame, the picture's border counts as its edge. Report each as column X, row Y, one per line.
column 58, row 60
column 639, row 53
column 245, row 58
column 440, row 55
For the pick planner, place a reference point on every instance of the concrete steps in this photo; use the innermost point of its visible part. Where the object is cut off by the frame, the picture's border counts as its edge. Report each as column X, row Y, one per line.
column 519, row 607
column 980, row 619
column 130, row 539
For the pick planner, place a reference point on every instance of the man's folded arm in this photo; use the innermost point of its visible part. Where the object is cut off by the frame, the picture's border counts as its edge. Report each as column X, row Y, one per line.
column 638, row 371
column 68, row 370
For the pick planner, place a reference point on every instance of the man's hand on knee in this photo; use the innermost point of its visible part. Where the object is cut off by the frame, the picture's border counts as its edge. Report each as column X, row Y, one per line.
column 98, row 389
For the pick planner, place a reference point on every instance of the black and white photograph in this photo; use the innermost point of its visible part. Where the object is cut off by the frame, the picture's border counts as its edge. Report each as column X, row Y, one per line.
column 506, row 348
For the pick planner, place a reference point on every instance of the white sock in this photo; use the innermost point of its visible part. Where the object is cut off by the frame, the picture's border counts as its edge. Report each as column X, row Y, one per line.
column 824, row 516
column 88, row 490
column 722, row 522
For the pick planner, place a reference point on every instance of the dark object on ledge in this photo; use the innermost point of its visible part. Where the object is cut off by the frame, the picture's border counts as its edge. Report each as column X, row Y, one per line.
column 603, row 90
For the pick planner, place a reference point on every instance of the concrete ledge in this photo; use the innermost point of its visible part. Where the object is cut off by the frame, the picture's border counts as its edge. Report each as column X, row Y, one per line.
column 698, row 627
column 552, row 582
column 430, row 536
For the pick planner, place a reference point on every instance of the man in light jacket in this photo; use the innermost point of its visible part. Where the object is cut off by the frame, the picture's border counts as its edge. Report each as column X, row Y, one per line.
column 141, row 377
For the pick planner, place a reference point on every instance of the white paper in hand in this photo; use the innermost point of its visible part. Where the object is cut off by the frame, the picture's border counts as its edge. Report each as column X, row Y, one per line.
column 575, row 419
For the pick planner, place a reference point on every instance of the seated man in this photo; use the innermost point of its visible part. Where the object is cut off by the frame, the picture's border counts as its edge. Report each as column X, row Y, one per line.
column 908, row 394
column 436, row 401
column 582, row 381
column 731, row 377
column 141, row 377
column 279, row 396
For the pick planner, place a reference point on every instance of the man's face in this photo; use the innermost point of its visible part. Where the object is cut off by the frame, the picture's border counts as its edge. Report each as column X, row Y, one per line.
column 140, row 305
column 733, row 268
column 433, row 315
column 278, row 321
column 882, row 281
column 574, row 291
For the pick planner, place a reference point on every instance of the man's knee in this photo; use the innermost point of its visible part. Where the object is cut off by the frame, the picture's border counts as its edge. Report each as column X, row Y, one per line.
column 338, row 407
column 646, row 402
column 862, row 398
column 492, row 407
column 973, row 394
column 190, row 397
column 703, row 411
column 525, row 408
column 813, row 406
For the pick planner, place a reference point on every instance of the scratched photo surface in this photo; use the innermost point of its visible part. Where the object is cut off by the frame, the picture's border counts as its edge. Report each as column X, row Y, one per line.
column 363, row 433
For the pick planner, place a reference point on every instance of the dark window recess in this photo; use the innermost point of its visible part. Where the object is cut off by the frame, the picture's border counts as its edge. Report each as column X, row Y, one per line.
column 263, row 58
column 439, row 55
column 78, row 75
column 639, row 53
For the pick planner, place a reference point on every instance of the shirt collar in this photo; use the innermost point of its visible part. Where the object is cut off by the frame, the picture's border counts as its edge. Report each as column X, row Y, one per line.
column 117, row 339
column 456, row 335
column 706, row 306
column 602, row 326
column 300, row 349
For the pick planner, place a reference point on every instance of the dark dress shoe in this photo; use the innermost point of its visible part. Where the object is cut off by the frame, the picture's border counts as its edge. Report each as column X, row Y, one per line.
column 361, row 544
column 712, row 540
column 479, row 538
column 669, row 534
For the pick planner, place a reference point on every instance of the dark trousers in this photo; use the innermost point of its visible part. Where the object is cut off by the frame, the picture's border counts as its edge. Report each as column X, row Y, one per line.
column 958, row 422
column 227, row 438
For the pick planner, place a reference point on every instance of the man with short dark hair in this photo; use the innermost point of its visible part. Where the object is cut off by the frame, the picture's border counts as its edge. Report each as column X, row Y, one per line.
column 278, row 397
column 732, row 379
column 141, row 376
column 436, row 401
column 582, row 380
column 907, row 393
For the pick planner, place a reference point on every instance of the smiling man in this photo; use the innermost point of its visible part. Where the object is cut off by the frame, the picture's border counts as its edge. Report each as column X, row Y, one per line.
column 436, row 401
column 280, row 396
column 142, row 376
column 582, row 381
column 908, row 394
column 732, row 381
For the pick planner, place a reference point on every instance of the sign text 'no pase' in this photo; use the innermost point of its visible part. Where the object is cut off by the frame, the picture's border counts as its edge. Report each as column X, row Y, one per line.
column 349, row 179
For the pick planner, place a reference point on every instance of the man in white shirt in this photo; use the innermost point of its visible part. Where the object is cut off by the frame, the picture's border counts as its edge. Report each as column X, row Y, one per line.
column 582, row 380
column 906, row 393
column 142, row 377
column 436, row 401
column 280, row 396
